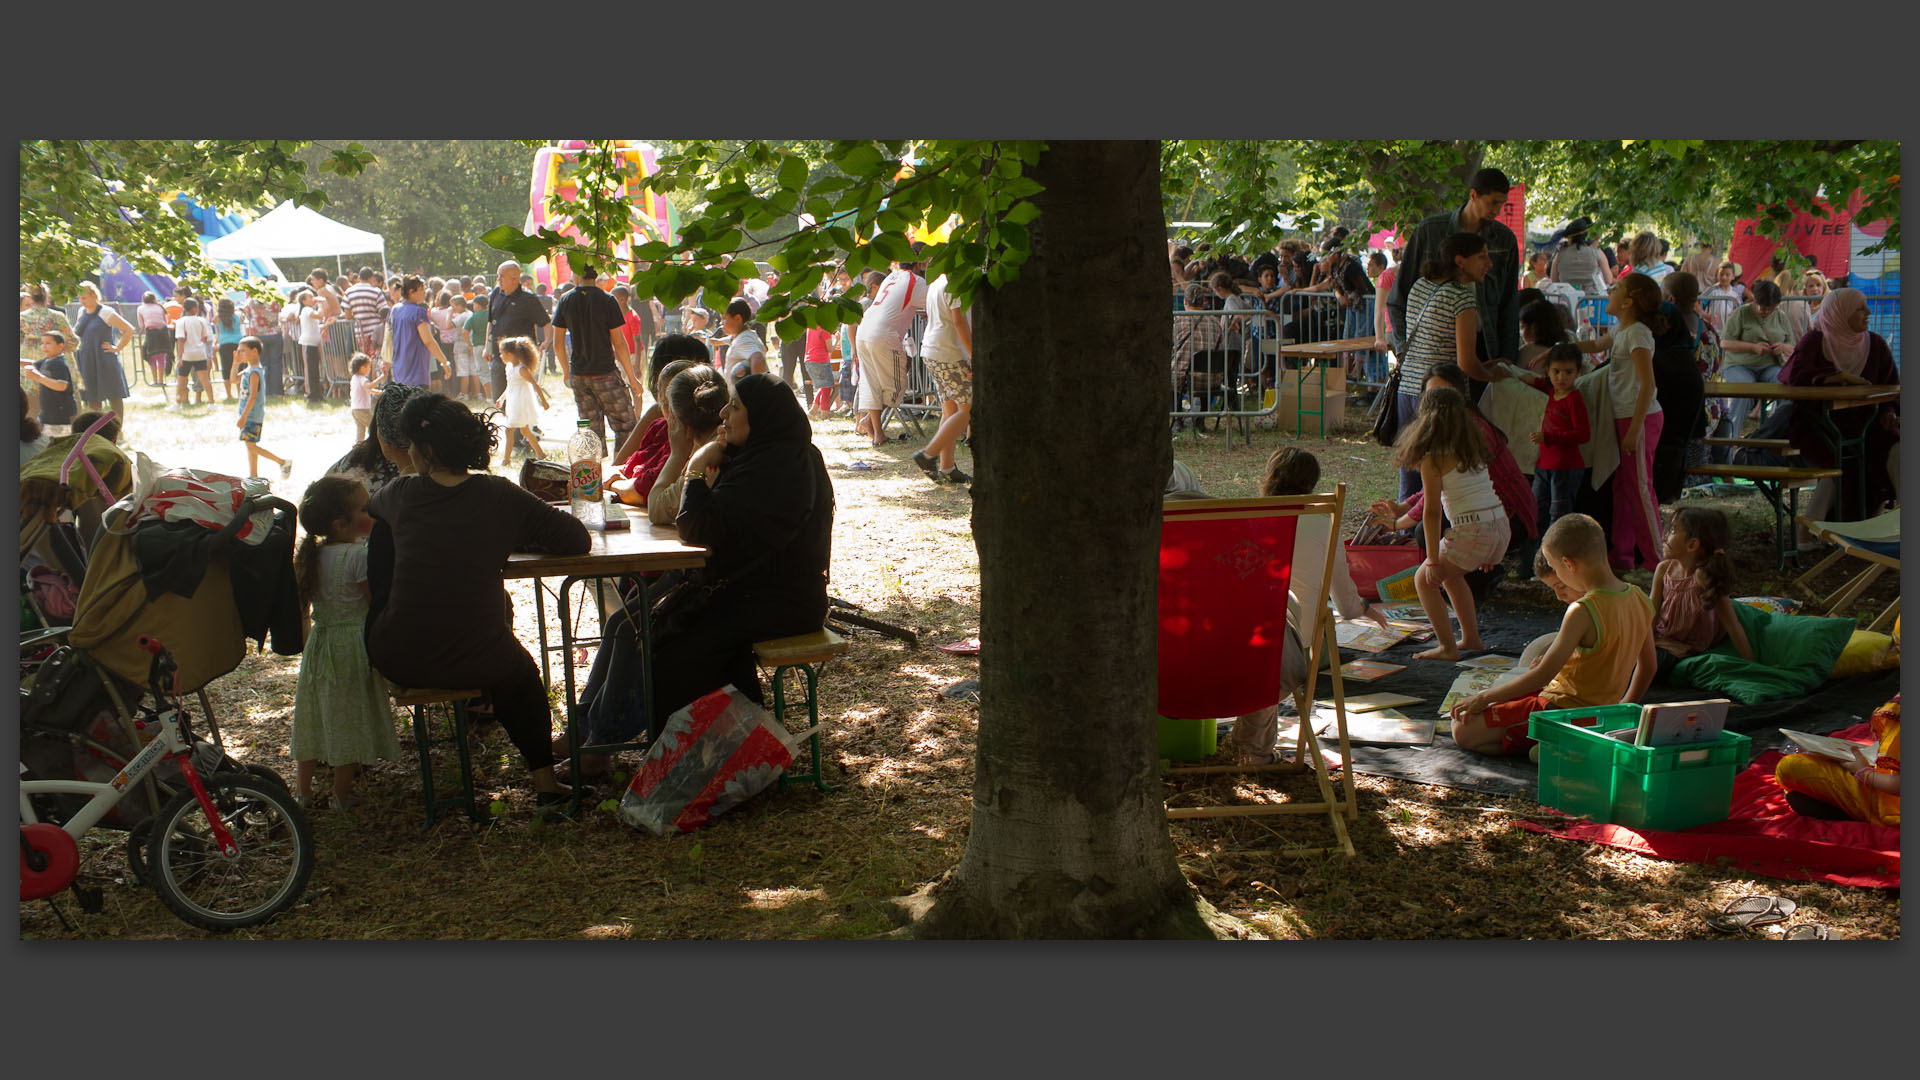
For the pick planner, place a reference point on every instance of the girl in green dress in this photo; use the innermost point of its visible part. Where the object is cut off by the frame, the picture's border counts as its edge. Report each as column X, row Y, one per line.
column 340, row 715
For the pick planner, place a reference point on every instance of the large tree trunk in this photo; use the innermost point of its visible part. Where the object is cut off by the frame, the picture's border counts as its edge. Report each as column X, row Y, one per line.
column 1069, row 834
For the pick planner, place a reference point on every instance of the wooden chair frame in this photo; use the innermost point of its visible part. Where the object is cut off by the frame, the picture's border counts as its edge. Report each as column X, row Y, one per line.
column 1850, row 591
column 1322, row 646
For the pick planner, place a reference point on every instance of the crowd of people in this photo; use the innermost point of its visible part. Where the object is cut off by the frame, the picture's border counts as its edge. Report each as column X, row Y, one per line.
column 1492, row 377
column 1461, row 289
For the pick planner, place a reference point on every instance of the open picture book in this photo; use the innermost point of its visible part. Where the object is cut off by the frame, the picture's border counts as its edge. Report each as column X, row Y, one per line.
column 1829, row 747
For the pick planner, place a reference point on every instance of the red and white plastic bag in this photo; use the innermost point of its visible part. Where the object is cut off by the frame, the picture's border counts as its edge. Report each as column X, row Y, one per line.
column 181, row 494
column 714, row 754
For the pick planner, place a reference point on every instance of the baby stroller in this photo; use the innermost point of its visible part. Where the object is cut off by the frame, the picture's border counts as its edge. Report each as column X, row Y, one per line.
column 90, row 710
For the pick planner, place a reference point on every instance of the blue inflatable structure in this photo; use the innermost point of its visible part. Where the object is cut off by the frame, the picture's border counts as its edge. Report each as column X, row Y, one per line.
column 119, row 282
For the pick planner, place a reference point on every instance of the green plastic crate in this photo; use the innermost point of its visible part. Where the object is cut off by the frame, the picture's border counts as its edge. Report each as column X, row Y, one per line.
column 1188, row 740
column 1642, row 787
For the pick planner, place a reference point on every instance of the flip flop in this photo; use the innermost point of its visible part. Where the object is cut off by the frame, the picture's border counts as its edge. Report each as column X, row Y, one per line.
column 969, row 647
column 1747, row 912
column 1809, row 931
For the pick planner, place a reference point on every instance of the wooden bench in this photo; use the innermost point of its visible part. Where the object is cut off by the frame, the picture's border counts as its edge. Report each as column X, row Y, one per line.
column 809, row 653
column 1783, row 447
column 418, row 700
column 1774, row 481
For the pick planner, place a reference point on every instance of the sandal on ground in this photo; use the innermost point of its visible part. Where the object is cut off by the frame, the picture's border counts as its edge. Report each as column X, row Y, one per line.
column 1747, row 912
column 1809, row 931
column 552, row 800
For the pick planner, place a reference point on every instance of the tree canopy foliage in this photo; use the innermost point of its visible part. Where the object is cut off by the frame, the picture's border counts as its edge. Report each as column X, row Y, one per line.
column 79, row 198
column 1687, row 187
column 432, row 198
column 864, row 198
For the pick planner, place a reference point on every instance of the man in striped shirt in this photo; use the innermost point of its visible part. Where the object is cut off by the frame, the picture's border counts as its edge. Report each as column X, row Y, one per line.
column 367, row 303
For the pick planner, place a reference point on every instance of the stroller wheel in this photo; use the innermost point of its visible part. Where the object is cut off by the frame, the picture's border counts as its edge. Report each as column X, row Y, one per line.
column 137, row 838
column 265, row 773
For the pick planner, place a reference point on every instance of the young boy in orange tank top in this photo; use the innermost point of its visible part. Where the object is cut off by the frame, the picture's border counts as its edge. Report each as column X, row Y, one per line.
column 1603, row 654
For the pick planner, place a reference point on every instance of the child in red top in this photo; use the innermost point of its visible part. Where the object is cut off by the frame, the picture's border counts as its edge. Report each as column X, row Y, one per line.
column 819, row 361
column 1558, row 473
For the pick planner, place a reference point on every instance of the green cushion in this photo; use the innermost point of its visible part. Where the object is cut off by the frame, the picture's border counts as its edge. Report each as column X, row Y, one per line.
column 1793, row 655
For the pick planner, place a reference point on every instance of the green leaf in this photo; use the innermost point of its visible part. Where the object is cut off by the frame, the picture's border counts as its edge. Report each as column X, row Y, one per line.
column 793, row 173
column 1021, row 213
column 790, row 328
column 893, row 247
column 862, row 161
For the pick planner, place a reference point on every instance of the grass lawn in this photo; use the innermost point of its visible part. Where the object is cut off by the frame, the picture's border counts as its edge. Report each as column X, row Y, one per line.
column 1433, row 862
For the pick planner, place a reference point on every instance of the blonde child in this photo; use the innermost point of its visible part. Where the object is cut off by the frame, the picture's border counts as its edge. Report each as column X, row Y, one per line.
column 1602, row 655
column 518, row 402
column 340, row 715
column 1446, row 446
column 1635, row 301
column 253, row 407
column 360, row 393
column 1692, row 590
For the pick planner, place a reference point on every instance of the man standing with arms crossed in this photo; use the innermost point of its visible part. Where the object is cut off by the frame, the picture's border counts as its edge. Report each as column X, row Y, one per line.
column 597, row 325
column 1496, row 298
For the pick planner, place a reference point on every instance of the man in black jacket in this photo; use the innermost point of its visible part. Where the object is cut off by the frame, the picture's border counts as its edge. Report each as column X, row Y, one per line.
column 1496, row 297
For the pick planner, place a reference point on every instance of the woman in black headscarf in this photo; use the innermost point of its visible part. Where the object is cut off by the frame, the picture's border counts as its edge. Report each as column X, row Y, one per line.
column 759, row 499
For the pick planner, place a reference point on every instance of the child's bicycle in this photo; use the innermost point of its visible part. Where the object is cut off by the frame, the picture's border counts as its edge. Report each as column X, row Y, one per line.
column 233, row 849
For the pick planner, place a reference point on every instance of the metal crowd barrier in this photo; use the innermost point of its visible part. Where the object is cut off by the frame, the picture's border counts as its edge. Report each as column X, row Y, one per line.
column 1238, row 379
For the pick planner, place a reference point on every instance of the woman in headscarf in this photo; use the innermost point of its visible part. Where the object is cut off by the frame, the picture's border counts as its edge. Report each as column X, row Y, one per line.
column 383, row 455
column 760, row 501
column 1841, row 350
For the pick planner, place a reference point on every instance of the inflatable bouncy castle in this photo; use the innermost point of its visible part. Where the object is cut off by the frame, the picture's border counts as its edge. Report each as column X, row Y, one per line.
column 120, row 282
column 654, row 218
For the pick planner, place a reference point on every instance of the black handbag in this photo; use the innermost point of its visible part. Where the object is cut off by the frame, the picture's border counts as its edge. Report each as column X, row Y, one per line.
column 1386, row 412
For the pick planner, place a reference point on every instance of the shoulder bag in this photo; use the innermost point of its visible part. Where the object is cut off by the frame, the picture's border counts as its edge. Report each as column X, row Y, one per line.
column 1386, row 407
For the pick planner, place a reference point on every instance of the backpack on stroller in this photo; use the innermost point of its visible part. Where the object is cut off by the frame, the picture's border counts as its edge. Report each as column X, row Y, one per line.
column 83, row 707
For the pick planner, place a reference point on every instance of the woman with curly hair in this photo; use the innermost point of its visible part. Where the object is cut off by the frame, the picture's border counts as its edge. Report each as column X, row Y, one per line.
column 439, row 611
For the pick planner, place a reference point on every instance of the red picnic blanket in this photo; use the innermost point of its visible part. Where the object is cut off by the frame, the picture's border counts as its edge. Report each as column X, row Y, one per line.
column 1762, row 835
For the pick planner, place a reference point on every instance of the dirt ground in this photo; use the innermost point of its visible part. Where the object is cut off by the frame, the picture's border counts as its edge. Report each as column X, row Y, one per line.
column 797, row 863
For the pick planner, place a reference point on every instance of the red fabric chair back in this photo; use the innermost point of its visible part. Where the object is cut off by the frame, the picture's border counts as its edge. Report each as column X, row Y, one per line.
column 1223, row 606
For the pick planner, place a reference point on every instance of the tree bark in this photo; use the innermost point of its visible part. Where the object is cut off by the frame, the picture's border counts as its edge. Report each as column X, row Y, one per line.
column 1069, row 833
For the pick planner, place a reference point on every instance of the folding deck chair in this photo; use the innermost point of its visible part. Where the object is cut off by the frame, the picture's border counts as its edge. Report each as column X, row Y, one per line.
column 1875, row 541
column 1224, row 569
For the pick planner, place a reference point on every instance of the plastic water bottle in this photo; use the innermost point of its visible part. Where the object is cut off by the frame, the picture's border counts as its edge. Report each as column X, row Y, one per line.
column 584, row 452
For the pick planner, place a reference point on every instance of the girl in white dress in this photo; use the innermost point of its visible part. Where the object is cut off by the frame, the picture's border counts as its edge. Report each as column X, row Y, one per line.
column 518, row 403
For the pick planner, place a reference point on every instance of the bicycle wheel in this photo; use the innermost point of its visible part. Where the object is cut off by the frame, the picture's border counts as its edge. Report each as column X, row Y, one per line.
column 197, row 883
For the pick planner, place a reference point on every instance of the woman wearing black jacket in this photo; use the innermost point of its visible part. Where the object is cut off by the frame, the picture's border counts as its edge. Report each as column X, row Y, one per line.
column 759, row 499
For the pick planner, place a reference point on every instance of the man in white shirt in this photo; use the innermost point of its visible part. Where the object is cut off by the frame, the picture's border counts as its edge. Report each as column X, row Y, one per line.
column 883, row 359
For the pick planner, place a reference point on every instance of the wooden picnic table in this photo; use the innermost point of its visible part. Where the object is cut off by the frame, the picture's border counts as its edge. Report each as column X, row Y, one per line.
column 1849, row 454
column 1327, row 350
column 1836, row 396
column 642, row 547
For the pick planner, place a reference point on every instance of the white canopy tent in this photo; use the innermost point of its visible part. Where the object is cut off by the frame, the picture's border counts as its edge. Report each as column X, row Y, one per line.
column 289, row 230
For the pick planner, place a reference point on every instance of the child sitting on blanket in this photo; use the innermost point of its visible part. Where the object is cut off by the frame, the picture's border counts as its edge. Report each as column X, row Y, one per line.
column 1693, row 590
column 1603, row 654
column 1820, row 787
column 1292, row 471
